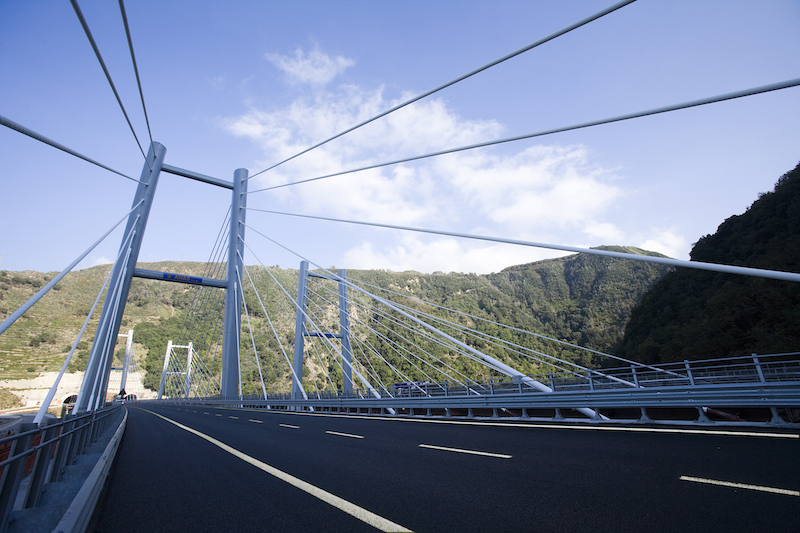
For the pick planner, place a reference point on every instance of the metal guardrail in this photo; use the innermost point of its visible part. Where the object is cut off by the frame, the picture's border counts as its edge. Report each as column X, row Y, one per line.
column 42, row 453
column 769, row 383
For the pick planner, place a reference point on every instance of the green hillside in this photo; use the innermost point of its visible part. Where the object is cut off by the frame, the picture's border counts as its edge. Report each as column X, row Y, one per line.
column 692, row 314
column 580, row 299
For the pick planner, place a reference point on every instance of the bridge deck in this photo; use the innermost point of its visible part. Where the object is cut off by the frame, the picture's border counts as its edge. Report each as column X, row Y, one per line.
column 557, row 478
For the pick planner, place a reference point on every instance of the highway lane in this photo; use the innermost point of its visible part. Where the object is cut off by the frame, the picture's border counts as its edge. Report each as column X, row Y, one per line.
column 539, row 478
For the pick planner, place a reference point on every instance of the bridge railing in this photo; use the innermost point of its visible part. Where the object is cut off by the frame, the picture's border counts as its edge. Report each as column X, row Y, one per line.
column 774, row 368
column 749, row 390
column 40, row 454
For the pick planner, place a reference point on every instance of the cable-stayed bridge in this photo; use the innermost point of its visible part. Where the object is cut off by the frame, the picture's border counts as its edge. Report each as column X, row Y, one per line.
column 326, row 355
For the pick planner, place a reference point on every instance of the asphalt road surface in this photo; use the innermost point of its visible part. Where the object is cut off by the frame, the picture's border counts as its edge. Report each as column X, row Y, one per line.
column 187, row 468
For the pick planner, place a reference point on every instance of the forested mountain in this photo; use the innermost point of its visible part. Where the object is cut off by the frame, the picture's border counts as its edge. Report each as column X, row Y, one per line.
column 581, row 299
column 693, row 314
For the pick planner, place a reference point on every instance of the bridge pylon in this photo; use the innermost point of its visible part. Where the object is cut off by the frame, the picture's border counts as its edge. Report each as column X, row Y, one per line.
column 301, row 332
column 98, row 368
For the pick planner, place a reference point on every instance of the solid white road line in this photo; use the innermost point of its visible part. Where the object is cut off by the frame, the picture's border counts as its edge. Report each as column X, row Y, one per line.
column 459, row 450
column 344, row 434
column 352, row 509
column 740, row 485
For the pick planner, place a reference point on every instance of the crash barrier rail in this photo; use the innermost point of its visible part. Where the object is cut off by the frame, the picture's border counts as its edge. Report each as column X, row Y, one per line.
column 42, row 453
column 768, row 384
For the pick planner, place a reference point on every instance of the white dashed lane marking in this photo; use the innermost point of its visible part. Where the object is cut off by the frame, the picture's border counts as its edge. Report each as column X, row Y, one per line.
column 470, row 452
column 731, row 484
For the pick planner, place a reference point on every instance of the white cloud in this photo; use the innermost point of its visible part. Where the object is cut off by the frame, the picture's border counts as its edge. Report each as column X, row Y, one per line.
column 669, row 243
column 443, row 254
column 102, row 260
column 314, row 67
column 535, row 193
column 604, row 232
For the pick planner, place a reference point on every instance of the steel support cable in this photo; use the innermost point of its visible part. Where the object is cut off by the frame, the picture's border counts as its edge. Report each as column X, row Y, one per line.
column 365, row 341
column 370, row 371
column 88, row 32
column 397, row 348
column 7, row 122
column 494, row 340
column 311, row 317
column 201, row 294
column 727, row 269
column 209, row 301
column 548, row 359
column 123, row 258
column 204, row 294
column 319, row 320
column 250, row 329
column 135, row 68
column 264, row 309
column 51, row 394
column 365, row 370
column 512, row 328
column 400, row 349
column 13, row 317
column 426, row 335
column 197, row 319
column 269, row 320
column 501, row 343
column 263, row 342
column 506, row 326
column 502, row 367
column 434, row 338
column 316, row 319
column 377, row 354
column 359, row 375
column 374, row 372
column 506, row 57
column 102, row 366
column 324, row 371
column 675, row 107
column 358, row 343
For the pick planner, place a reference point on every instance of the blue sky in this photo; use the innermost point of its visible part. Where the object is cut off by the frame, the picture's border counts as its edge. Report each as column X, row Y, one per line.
column 246, row 84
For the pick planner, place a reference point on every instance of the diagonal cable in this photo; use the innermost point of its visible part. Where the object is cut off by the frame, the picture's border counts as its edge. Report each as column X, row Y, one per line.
column 675, row 107
column 108, row 76
column 135, row 68
column 8, row 123
column 461, row 78
column 729, row 269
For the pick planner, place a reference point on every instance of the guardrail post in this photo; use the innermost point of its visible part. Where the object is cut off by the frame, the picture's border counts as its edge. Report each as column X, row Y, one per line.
column 43, row 458
column 63, row 447
column 591, row 383
column 776, row 418
column 13, row 474
column 689, row 372
column 758, row 369
column 552, row 382
column 635, row 376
